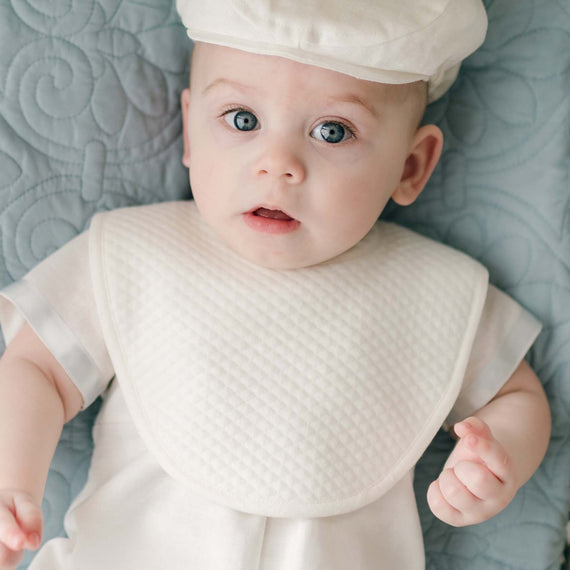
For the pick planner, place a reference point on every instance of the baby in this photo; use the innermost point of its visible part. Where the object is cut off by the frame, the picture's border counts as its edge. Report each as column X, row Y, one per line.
column 281, row 358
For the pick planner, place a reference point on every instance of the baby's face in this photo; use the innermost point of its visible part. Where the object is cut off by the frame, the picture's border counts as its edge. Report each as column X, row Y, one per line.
column 290, row 164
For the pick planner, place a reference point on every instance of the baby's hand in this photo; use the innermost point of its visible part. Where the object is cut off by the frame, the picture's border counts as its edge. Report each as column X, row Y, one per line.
column 478, row 480
column 20, row 527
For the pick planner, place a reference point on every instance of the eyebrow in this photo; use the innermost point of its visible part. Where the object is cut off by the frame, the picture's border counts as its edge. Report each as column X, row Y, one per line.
column 227, row 82
column 354, row 99
column 351, row 98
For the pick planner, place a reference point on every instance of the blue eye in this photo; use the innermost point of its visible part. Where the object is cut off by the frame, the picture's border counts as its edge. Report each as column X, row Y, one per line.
column 241, row 120
column 331, row 132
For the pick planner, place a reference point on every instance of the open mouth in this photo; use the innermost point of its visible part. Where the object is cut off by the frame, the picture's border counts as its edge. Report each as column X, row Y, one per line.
column 272, row 214
column 271, row 221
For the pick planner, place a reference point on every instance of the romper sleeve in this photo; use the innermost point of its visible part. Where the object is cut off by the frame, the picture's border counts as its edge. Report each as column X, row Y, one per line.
column 56, row 299
column 505, row 334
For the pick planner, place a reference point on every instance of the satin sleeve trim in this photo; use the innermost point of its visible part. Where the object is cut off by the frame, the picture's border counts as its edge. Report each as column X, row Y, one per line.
column 60, row 340
column 483, row 382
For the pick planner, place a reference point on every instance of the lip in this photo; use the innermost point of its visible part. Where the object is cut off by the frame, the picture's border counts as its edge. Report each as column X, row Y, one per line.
column 270, row 220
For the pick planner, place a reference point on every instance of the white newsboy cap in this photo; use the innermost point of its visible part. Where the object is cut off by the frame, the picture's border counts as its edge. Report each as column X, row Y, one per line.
column 388, row 41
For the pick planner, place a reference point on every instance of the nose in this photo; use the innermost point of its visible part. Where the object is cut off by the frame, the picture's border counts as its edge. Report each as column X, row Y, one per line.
column 281, row 161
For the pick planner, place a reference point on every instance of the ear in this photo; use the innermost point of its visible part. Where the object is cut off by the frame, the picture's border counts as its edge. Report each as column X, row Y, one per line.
column 185, row 103
column 424, row 154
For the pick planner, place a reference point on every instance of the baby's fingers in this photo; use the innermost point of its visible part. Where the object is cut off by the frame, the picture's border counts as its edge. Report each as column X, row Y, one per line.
column 476, row 436
column 491, row 453
column 467, row 494
column 20, row 523
column 12, row 540
column 472, row 426
column 441, row 507
column 30, row 518
column 11, row 535
column 20, row 528
column 452, row 499
column 479, row 481
column 9, row 559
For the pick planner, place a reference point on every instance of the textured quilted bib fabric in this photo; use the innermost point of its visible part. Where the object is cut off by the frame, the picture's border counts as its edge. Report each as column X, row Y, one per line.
column 283, row 393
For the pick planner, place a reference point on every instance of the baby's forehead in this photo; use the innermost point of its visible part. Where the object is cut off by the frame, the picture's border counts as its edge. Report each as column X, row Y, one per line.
column 216, row 64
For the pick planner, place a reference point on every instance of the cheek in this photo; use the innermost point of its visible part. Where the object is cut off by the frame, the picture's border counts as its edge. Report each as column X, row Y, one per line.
column 203, row 181
column 360, row 191
column 204, row 159
column 359, row 215
column 346, row 219
column 353, row 200
column 214, row 152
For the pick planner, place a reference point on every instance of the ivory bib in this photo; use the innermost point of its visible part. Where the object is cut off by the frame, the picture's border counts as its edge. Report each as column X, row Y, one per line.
column 287, row 393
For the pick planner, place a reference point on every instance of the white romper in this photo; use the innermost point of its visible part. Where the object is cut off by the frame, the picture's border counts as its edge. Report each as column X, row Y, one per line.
column 133, row 514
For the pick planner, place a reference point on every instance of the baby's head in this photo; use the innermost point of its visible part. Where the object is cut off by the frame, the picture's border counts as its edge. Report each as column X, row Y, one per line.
column 294, row 154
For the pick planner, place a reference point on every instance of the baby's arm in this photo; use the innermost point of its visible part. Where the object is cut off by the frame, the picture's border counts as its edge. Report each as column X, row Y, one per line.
column 36, row 398
column 498, row 450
